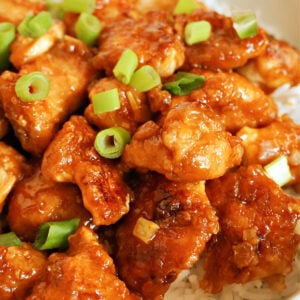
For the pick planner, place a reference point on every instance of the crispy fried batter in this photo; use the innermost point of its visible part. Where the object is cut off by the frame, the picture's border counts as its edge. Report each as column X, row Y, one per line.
column 14, row 11
column 12, row 169
column 85, row 271
column 263, row 145
column 235, row 100
column 151, row 37
column 134, row 109
column 257, row 224
column 71, row 157
column 20, row 268
column 277, row 65
column 36, row 199
column 224, row 49
column 68, row 67
column 190, row 145
column 186, row 221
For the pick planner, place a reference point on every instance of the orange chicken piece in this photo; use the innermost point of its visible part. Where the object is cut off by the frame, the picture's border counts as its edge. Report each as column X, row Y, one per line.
column 150, row 36
column 71, row 157
column 36, row 200
column 12, row 168
column 263, row 145
column 14, row 11
column 20, row 268
column 134, row 108
column 257, row 237
column 184, row 221
column 68, row 67
column 190, row 145
column 224, row 49
column 85, row 271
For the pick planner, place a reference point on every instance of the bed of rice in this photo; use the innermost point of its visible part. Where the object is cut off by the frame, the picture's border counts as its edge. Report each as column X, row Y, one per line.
column 186, row 287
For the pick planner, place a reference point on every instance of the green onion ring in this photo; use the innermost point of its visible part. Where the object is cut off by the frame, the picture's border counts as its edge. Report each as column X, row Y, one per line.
column 110, row 142
column 32, row 87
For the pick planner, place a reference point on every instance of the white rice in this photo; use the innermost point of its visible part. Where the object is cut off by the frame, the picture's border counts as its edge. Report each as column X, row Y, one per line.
column 186, row 287
column 287, row 99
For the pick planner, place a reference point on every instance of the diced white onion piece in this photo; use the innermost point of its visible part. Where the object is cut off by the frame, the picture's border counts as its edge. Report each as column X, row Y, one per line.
column 145, row 229
column 279, row 170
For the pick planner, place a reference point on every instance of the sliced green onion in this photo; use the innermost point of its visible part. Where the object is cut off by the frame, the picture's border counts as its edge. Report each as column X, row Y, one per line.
column 110, row 142
column 87, row 28
column 185, row 7
column 79, row 6
column 106, row 101
column 126, row 66
column 7, row 36
column 244, row 23
column 184, row 83
column 23, row 26
column 9, row 239
column 145, row 78
column 55, row 9
column 196, row 32
column 34, row 86
column 35, row 26
column 53, row 235
column 279, row 170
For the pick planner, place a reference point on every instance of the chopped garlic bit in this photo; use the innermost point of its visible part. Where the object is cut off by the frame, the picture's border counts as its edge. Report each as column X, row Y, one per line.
column 144, row 229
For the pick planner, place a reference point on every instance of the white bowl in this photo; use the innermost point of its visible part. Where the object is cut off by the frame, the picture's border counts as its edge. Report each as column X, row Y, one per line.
column 281, row 18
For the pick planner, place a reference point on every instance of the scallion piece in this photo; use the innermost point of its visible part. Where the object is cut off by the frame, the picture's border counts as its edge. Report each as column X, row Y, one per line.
column 106, row 101
column 7, row 36
column 55, row 9
column 185, row 7
column 35, row 26
column 110, row 142
column 87, row 28
column 23, row 26
column 79, row 6
column 244, row 23
column 9, row 239
column 145, row 78
column 126, row 66
column 34, row 86
column 54, row 235
column 196, row 32
column 184, row 83
column 279, row 170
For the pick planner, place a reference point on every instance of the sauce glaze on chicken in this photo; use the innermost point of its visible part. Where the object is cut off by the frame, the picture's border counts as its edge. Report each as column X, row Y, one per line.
column 193, row 168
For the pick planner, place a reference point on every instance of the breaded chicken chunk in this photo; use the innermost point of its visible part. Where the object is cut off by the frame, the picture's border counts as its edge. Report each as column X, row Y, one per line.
column 71, row 157
column 20, row 268
column 224, row 49
column 68, row 68
column 263, row 145
column 36, row 200
column 191, row 144
column 235, row 100
column 84, row 271
column 183, row 220
column 277, row 65
column 12, row 169
column 257, row 237
column 134, row 109
column 14, row 11
column 151, row 37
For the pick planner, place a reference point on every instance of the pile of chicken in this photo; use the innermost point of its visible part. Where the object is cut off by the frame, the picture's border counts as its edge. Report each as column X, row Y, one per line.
column 194, row 165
